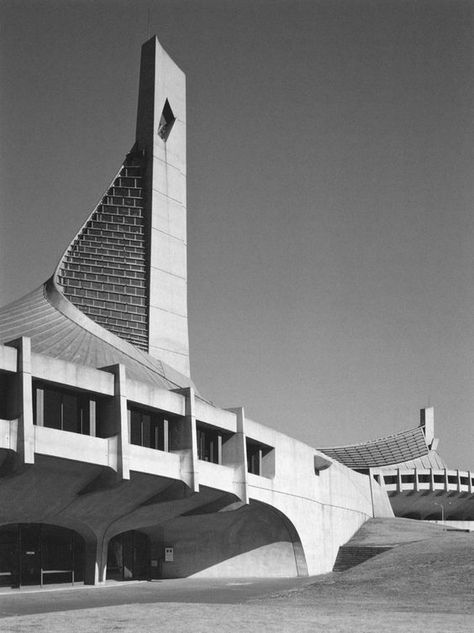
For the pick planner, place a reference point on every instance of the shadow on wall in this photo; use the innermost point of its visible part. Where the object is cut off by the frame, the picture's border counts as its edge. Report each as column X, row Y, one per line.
column 254, row 540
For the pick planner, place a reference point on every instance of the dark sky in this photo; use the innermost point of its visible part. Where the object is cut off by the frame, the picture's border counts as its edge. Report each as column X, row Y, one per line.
column 330, row 189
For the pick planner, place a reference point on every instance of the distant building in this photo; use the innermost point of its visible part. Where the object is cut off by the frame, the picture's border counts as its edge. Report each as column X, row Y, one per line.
column 416, row 478
column 112, row 465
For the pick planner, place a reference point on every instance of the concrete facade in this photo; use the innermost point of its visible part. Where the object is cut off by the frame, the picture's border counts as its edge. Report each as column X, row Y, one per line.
column 219, row 518
column 104, row 435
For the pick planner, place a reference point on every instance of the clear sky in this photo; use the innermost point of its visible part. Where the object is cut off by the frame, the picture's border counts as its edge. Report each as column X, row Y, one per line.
column 330, row 190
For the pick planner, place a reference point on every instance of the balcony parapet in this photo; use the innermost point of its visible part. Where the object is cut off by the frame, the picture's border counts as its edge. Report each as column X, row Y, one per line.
column 426, row 479
column 219, row 477
column 67, row 445
column 154, row 462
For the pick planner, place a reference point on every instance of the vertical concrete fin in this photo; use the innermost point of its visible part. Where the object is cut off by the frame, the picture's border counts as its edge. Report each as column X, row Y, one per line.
column 161, row 139
column 24, row 400
column 115, row 422
column 236, row 454
column 183, row 442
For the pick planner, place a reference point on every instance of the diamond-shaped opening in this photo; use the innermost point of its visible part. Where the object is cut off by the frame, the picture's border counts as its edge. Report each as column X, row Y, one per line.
column 167, row 120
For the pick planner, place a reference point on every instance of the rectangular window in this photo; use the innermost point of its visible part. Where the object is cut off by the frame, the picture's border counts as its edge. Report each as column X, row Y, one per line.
column 147, row 429
column 209, row 445
column 7, row 396
column 63, row 410
column 254, row 460
column 52, row 411
column 260, row 458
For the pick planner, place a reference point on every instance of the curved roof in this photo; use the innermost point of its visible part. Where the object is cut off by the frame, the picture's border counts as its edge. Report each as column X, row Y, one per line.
column 406, row 447
column 58, row 329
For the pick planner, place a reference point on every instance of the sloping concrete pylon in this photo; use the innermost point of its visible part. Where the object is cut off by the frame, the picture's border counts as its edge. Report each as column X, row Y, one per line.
column 161, row 137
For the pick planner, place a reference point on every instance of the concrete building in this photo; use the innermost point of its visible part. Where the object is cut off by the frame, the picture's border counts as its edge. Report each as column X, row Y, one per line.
column 112, row 465
column 419, row 483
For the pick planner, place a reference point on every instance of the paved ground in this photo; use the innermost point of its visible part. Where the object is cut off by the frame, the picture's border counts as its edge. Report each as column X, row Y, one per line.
column 186, row 590
column 418, row 586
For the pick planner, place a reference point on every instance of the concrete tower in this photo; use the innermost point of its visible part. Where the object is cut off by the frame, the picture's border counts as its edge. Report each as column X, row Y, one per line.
column 161, row 136
column 126, row 268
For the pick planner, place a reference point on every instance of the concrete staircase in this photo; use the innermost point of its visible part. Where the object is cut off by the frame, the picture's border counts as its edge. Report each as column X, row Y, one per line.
column 351, row 555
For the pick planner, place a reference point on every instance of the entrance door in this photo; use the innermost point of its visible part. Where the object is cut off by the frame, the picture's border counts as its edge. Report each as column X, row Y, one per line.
column 30, row 555
column 128, row 557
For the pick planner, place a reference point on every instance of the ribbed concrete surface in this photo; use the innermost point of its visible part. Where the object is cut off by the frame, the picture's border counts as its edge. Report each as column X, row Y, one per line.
column 103, row 272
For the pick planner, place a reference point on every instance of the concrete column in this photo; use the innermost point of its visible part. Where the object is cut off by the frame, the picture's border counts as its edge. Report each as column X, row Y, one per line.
column 371, row 490
column 446, row 483
column 166, row 438
column 399, row 480
column 39, row 395
column 92, row 418
column 183, row 442
column 234, row 453
column 24, row 400
column 469, row 478
column 458, row 480
column 416, row 485
column 432, row 481
column 115, row 422
column 95, row 561
column 157, row 544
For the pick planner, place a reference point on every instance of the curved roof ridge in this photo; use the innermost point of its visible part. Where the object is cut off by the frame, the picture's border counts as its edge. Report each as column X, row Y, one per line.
column 393, row 436
column 387, row 451
column 56, row 298
column 58, row 329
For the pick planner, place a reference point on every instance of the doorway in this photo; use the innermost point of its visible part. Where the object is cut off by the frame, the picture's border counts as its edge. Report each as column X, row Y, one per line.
column 37, row 554
column 128, row 557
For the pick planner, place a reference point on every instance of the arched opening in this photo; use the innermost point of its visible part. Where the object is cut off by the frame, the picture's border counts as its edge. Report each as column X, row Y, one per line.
column 40, row 554
column 128, row 557
column 254, row 540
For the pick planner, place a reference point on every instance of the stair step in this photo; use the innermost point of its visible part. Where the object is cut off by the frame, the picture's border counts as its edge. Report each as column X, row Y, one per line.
column 351, row 555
